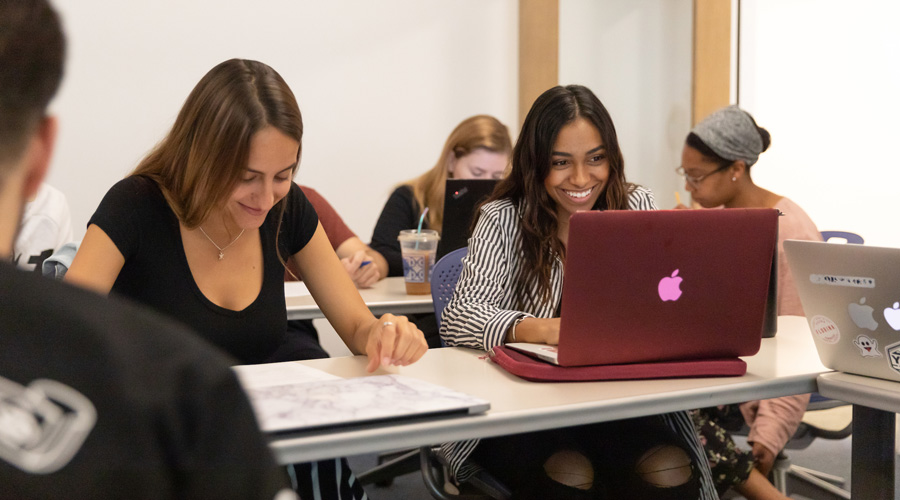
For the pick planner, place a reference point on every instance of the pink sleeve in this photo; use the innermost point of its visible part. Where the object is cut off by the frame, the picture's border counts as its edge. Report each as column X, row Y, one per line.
column 794, row 225
column 773, row 421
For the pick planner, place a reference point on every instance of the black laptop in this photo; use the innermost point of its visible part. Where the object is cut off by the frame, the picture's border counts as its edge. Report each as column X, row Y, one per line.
column 461, row 198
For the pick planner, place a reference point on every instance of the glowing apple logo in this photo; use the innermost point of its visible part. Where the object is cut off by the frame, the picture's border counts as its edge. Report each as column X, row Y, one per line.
column 670, row 287
column 861, row 314
column 892, row 316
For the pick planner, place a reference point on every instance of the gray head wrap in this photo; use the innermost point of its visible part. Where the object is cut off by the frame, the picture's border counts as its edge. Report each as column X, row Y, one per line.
column 732, row 134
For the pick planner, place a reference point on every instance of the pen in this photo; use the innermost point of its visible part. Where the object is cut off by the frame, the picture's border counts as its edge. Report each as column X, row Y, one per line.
column 677, row 198
column 365, row 263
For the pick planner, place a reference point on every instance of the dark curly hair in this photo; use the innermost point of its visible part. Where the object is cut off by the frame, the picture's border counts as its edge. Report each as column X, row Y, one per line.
column 531, row 160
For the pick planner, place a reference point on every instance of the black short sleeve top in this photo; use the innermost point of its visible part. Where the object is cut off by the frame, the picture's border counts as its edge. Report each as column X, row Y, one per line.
column 135, row 215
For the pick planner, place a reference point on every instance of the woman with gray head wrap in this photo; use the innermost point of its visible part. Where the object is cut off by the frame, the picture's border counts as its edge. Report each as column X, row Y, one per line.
column 715, row 164
column 717, row 157
column 733, row 135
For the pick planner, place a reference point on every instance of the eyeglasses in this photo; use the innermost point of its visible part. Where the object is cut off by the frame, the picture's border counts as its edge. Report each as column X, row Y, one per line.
column 695, row 181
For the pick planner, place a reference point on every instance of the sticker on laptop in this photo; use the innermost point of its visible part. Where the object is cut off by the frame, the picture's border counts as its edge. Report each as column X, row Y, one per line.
column 825, row 329
column 893, row 356
column 854, row 281
column 868, row 346
column 861, row 314
column 892, row 316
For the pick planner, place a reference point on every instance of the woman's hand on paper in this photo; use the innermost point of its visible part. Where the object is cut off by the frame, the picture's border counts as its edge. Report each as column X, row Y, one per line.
column 394, row 340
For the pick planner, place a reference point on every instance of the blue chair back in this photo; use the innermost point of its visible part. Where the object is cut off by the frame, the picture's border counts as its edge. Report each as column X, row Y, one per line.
column 444, row 276
column 850, row 237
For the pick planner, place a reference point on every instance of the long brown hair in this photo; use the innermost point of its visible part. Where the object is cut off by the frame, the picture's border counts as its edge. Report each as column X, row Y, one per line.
column 476, row 132
column 524, row 185
column 201, row 160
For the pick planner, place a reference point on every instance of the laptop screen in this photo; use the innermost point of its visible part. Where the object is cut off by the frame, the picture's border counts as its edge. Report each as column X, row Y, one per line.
column 461, row 198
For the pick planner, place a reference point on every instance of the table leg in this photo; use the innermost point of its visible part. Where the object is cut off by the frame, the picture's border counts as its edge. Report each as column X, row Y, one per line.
column 872, row 475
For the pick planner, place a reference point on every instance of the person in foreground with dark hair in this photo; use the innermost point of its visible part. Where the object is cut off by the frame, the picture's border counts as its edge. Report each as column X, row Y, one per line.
column 715, row 163
column 567, row 159
column 100, row 399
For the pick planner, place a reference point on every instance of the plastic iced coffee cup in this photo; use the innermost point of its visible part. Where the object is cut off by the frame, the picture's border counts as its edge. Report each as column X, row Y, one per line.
column 418, row 250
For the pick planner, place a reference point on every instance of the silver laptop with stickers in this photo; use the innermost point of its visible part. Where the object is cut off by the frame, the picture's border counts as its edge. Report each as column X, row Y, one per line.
column 851, row 298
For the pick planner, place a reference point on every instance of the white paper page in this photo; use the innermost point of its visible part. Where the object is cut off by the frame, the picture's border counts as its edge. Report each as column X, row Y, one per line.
column 295, row 289
column 271, row 374
column 355, row 400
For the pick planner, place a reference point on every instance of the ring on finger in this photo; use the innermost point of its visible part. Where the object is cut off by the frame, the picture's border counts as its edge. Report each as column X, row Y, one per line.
column 388, row 323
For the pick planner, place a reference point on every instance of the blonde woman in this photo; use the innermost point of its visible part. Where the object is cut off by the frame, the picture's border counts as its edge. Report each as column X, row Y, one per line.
column 478, row 148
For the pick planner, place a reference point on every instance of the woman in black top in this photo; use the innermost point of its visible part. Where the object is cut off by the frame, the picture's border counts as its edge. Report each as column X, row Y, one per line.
column 478, row 148
column 202, row 228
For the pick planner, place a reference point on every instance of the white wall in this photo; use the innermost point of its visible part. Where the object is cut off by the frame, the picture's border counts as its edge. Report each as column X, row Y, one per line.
column 636, row 56
column 823, row 77
column 380, row 83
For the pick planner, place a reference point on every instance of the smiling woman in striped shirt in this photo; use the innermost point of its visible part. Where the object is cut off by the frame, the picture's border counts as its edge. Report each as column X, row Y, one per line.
column 567, row 159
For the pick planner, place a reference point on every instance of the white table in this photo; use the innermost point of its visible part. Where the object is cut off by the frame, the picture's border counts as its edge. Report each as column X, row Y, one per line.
column 875, row 402
column 386, row 296
column 786, row 364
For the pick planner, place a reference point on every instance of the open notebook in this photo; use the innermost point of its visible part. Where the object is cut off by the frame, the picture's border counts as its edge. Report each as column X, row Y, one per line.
column 290, row 397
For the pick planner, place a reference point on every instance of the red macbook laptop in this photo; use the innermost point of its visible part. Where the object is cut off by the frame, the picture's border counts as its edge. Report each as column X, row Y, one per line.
column 668, row 285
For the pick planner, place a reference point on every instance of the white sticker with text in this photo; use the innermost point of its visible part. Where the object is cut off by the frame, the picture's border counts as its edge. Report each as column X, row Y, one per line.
column 825, row 329
column 854, row 281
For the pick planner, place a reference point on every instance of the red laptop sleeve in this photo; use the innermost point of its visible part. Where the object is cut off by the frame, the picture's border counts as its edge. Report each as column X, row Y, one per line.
column 539, row 371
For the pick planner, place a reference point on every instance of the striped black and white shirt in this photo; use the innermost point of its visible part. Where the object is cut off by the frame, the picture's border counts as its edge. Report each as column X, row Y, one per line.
column 483, row 309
